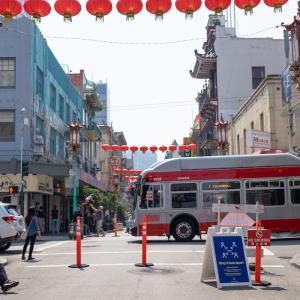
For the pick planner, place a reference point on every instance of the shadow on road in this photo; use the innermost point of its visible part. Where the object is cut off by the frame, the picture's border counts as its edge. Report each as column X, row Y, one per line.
column 156, row 242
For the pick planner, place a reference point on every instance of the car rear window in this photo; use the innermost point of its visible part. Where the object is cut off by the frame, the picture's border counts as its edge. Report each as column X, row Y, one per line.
column 11, row 210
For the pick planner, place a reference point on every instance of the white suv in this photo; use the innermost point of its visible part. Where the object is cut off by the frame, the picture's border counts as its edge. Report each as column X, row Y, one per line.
column 11, row 225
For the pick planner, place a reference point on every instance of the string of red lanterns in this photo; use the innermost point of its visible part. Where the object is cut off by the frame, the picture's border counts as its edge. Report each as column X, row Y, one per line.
column 100, row 8
column 144, row 149
column 130, row 172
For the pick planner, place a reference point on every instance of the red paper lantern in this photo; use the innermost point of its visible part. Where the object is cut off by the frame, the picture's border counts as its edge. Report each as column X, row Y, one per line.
column 138, row 172
column 99, row 8
column 153, row 148
column 182, row 147
column 67, row 8
column 132, row 172
column 172, row 148
column 217, row 5
column 144, row 148
column 192, row 147
column 118, row 171
column 129, row 8
column 10, row 9
column 126, row 178
column 124, row 171
column 158, row 7
column 124, row 148
column 115, row 148
column 163, row 148
column 134, row 148
column 37, row 9
column 247, row 5
column 277, row 4
column 188, row 7
column 105, row 147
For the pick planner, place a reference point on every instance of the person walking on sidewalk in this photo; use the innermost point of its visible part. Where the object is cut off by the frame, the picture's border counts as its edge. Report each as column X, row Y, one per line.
column 99, row 219
column 32, row 229
column 55, row 220
column 41, row 219
column 5, row 283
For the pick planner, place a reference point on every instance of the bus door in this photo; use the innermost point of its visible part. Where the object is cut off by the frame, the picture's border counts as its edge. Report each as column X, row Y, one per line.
column 152, row 205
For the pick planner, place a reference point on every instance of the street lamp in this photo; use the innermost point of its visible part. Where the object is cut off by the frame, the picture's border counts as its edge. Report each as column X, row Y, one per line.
column 222, row 135
column 75, row 149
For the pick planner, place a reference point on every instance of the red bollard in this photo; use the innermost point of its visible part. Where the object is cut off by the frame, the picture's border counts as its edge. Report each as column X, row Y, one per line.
column 78, row 246
column 144, row 246
column 115, row 226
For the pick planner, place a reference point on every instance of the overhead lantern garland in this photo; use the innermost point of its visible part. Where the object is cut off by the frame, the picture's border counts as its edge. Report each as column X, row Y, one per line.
column 134, row 148
column 10, row 9
column 217, row 5
column 144, row 148
column 99, row 8
column 37, row 9
column 67, row 8
column 158, row 7
column 124, row 148
column 247, row 5
column 276, row 4
column 172, row 148
column 129, row 8
column 163, row 148
column 153, row 148
column 188, row 7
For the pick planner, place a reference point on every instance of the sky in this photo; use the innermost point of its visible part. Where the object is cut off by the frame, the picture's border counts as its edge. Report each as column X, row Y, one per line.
column 146, row 63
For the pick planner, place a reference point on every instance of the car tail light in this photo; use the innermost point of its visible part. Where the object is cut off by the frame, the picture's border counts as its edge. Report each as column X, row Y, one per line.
column 9, row 219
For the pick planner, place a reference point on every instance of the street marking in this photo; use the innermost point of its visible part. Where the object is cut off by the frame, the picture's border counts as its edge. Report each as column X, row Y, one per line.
column 50, row 246
column 267, row 252
column 132, row 264
column 120, row 252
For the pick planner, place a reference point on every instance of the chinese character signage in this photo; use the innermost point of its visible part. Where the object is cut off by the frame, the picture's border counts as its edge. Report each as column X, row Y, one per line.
column 258, row 139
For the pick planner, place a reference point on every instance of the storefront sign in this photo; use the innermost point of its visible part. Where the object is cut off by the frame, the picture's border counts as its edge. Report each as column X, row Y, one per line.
column 38, row 184
column 258, row 139
column 259, row 237
column 7, row 180
column 209, row 111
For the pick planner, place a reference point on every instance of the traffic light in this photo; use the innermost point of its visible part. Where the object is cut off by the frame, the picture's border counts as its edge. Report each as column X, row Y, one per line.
column 25, row 168
column 13, row 189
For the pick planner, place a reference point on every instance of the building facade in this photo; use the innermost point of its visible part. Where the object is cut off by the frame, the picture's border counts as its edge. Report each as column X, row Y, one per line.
column 103, row 117
column 231, row 69
column 262, row 122
column 37, row 104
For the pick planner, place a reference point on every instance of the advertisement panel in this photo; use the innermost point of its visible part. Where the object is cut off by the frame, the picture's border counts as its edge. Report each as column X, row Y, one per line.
column 258, row 139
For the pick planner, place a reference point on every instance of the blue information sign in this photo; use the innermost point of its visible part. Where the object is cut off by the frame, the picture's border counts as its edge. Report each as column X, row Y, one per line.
column 230, row 260
column 286, row 82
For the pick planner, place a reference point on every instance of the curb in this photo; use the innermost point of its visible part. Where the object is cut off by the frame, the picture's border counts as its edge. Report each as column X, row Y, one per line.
column 3, row 261
column 295, row 261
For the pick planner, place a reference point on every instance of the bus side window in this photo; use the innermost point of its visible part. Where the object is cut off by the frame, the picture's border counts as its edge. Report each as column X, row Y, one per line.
column 144, row 190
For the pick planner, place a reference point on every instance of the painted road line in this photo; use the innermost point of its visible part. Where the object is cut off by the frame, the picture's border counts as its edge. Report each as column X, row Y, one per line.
column 132, row 264
column 118, row 252
column 267, row 252
column 40, row 249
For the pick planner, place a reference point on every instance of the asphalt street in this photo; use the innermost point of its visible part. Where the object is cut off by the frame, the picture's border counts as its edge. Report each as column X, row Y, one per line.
column 112, row 274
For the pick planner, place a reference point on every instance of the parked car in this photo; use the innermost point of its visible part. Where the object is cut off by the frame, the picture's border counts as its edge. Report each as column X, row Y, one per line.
column 11, row 225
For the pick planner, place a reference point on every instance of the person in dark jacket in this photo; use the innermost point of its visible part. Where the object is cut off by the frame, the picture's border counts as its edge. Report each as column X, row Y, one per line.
column 32, row 231
column 6, row 284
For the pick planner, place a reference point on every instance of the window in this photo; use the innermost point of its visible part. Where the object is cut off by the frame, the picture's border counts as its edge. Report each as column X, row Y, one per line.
column 68, row 115
column 52, row 141
column 39, row 82
column 226, row 192
column 266, row 192
column 61, row 147
column 261, row 122
column 7, row 125
column 295, row 191
column 61, row 107
column 238, row 144
column 7, row 72
column 184, row 195
column 53, row 97
column 258, row 75
column 40, row 126
column 252, row 125
column 74, row 116
column 152, row 196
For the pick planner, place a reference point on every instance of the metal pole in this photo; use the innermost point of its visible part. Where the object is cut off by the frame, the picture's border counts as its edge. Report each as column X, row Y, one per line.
column 75, row 183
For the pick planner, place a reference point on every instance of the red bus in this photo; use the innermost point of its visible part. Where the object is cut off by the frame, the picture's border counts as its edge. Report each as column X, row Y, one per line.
column 177, row 194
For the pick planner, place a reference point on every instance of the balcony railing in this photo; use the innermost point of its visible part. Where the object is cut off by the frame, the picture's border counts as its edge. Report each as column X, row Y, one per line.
column 208, row 133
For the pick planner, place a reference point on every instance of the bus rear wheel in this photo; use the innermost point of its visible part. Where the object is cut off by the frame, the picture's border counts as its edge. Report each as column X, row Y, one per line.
column 184, row 230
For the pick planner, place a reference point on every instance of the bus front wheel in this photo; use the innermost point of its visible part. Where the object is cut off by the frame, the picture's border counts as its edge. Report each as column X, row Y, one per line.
column 184, row 230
